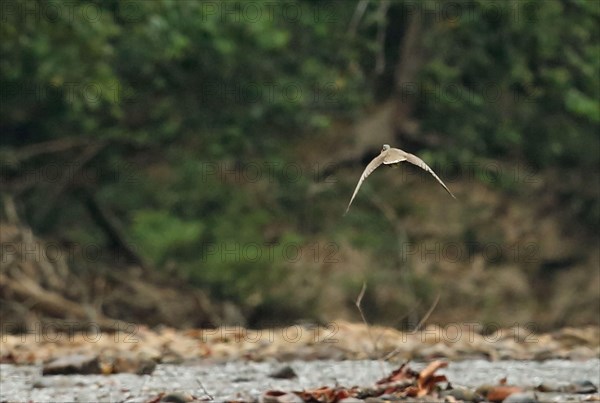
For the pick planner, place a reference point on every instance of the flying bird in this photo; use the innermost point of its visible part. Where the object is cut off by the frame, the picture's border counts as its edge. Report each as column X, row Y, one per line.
column 391, row 156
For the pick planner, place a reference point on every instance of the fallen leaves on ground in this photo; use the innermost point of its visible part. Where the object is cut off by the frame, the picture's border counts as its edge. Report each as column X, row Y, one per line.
column 402, row 382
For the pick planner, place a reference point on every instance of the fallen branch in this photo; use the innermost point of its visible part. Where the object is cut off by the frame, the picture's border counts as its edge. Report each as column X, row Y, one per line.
column 47, row 147
column 56, row 305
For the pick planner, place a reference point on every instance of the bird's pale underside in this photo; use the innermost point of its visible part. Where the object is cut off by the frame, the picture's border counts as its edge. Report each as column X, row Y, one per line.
column 390, row 156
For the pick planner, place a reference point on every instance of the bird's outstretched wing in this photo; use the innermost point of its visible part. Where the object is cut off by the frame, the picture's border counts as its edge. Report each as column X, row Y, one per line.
column 413, row 159
column 370, row 168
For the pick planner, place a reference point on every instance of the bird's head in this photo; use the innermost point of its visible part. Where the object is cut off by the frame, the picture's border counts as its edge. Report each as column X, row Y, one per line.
column 385, row 147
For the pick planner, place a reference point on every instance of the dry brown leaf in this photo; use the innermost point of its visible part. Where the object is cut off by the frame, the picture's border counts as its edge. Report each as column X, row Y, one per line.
column 326, row 394
column 411, row 391
column 497, row 394
column 411, row 383
column 400, row 374
column 431, row 368
column 429, row 385
column 427, row 378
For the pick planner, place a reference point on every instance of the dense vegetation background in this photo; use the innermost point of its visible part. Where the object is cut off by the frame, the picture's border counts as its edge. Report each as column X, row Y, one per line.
column 210, row 148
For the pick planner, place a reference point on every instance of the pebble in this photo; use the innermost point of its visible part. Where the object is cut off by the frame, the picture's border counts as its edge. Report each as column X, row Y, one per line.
column 286, row 372
column 280, row 397
column 73, row 364
column 524, row 397
column 177, row 398
column 582, row 387
column 463, row 393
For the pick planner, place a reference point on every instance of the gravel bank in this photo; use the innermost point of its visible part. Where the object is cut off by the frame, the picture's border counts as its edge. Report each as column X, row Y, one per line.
column 247, row 380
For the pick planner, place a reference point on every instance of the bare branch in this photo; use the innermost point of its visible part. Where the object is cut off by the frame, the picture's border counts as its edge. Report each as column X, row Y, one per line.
column 381, row 31
column 362, row 315
column 10, row 210
column 48, row 147
column 359, row 11
column 417, row 328
column 364, row 319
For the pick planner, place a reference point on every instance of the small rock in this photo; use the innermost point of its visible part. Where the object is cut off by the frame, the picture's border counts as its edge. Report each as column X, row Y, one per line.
column 127, row 362
column 525, row 397
column 176, row 398
column 286, row 372
column 275, row 396
column 146, row 367
column 551, row 387
column 40, row 384
column 73, row 364
column 462, row 393
column 544, row 354
column 384, row 398
column 583, row 387
column 241, row 379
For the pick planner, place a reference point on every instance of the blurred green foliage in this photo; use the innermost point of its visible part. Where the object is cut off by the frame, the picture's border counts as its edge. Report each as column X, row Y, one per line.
column 519, row 78
column 177, row 90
